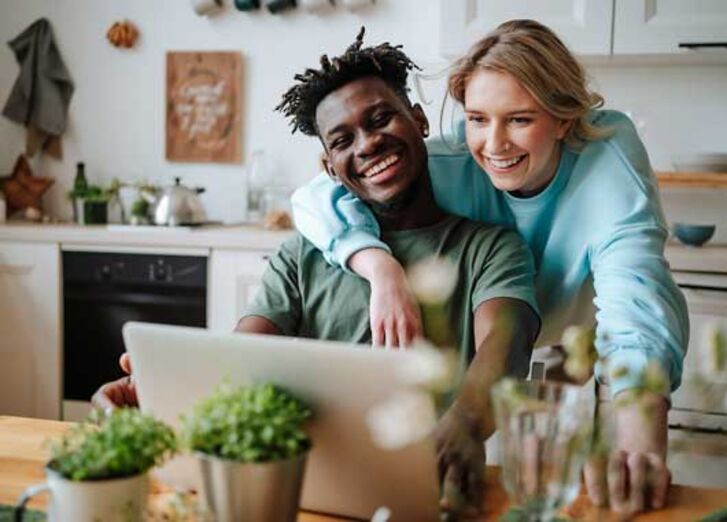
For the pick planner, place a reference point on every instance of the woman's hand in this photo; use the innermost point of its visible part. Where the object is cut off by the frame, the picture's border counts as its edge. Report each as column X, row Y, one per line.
column 634, row 478
column 394, row 313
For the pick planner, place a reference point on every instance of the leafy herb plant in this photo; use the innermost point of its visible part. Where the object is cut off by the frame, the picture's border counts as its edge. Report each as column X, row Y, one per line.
column 248, row 424
column 126, row 443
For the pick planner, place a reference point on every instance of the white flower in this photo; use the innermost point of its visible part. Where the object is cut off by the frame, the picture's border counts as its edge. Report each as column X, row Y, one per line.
column 407, row 417
column 430, row 367
column 433, row 280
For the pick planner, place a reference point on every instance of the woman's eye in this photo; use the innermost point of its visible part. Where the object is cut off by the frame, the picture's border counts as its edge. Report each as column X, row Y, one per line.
column 476, row 119
column 520, row 120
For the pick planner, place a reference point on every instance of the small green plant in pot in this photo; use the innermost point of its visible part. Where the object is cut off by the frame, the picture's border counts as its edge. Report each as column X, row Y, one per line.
column 252, row 451
column 99, row 471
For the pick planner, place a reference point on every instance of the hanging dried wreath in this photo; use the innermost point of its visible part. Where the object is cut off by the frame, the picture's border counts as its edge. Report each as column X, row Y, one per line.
column 122, row 34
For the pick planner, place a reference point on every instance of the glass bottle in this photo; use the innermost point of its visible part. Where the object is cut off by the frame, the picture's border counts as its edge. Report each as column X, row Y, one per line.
column 80, row 187
column 80, row 184
column 257, row 180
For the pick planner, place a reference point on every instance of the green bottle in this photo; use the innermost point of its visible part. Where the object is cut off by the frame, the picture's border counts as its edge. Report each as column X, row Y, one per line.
column 80, row 184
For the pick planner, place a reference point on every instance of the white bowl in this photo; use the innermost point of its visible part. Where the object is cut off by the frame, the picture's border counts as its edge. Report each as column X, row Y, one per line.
column 701, row 162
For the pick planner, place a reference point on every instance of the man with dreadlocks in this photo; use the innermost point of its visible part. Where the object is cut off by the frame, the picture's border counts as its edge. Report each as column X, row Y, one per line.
column 357, row 105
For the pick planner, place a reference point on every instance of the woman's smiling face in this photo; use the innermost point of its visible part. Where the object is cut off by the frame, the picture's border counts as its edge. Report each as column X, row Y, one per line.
column 509, row 133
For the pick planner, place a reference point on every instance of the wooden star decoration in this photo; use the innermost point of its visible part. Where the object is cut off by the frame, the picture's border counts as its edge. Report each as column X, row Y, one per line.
column 23, row 190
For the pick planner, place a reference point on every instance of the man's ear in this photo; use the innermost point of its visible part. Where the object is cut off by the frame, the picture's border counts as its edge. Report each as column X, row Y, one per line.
column 326, row 163
column 421, row 119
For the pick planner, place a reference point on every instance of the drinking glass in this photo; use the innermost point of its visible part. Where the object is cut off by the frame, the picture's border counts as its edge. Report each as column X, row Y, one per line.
column 545, row 433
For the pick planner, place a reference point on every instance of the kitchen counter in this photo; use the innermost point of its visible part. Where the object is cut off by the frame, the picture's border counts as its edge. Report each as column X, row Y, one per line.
column 22, row 456
column 211, row 236
column 709, row 258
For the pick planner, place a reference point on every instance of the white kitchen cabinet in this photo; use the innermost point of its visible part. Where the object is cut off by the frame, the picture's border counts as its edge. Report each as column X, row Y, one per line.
column 234, row 279
column 584, row 25
column 660, row 26
column 30, row 330
column 592, row 28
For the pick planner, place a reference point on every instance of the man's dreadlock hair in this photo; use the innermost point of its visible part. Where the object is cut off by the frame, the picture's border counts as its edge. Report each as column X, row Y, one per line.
column 385, row 61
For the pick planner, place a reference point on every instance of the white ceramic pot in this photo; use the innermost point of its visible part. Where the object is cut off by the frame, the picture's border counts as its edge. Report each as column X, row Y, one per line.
column 315, row 6
column 113, row 500
column 353, row 5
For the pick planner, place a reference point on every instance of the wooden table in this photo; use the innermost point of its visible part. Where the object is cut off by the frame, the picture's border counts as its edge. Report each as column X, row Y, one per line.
column 23, row 455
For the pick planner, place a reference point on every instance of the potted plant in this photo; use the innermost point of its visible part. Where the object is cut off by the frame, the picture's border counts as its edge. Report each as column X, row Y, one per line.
column 252, row 451
column 99, row 472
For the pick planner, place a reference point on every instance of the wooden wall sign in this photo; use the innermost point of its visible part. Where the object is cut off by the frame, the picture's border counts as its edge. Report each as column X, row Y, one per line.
column 203, row 107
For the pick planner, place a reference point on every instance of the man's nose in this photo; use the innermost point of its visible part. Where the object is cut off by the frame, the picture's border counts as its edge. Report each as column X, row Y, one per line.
column 368, row 143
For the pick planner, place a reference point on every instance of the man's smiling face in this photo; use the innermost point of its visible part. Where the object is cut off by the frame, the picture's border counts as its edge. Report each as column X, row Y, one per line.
column 373, row 140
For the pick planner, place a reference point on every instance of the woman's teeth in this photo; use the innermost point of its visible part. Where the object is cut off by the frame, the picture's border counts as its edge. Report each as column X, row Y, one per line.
column 504, row 164
column 382, row 165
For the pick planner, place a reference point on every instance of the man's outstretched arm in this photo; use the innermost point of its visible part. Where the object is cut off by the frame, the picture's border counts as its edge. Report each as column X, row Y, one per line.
column 505, row 330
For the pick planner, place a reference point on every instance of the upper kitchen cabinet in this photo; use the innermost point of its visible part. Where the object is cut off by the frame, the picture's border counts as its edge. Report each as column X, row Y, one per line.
column 668, row 26
column 30, row 338
column 594, row 28
column 584, row 25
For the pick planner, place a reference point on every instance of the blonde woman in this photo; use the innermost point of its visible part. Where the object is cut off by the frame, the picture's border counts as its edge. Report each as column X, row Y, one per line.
column 576, row 183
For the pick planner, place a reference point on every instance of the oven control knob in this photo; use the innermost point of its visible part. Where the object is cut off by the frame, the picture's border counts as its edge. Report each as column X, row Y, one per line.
column 104, row 273
column 159, row 271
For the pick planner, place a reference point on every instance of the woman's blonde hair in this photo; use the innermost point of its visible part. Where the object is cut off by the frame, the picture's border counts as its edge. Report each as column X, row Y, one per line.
column 543, row 65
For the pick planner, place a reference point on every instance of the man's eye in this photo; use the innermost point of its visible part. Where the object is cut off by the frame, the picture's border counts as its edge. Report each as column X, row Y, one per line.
column 380, row 120
column 340, row 143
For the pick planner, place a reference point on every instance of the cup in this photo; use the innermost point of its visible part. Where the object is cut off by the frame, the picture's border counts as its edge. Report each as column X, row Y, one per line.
column 315, row 6
column 110, row 500
column 276, row 6
column 545, row 433
column 206, row 7
column 247, row 5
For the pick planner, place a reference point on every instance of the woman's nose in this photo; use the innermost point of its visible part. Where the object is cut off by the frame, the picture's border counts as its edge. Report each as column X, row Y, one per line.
column 497, row 140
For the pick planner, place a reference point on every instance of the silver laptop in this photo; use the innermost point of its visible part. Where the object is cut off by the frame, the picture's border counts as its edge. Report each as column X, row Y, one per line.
column 346, row 474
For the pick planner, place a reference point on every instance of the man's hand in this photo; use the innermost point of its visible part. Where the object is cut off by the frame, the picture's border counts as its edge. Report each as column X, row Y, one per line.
column 634, row 477
column 461, row 463
column 118, row 393
column 393, row 310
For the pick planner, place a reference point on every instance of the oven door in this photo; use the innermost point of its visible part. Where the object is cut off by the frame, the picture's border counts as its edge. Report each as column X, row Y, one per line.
column 698, row 417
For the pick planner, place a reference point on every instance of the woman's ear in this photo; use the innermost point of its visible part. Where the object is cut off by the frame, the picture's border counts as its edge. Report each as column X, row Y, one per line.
column 563, row 127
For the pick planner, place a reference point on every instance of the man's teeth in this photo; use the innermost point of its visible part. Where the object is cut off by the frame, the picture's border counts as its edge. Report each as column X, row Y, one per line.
column 503, row 164
column 381, row 165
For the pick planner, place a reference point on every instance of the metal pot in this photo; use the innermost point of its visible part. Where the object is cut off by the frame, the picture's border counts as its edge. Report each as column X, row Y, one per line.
column 248, row 492
column 177, row 205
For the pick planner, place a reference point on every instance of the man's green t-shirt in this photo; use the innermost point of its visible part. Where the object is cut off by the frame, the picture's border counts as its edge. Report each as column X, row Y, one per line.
column 306, row 297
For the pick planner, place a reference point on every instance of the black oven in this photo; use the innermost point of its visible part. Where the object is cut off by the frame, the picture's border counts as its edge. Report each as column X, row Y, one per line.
column 102, row 291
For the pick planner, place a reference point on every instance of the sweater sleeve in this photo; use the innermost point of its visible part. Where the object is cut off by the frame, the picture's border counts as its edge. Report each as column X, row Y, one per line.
column 641, row 313
column 334, row 220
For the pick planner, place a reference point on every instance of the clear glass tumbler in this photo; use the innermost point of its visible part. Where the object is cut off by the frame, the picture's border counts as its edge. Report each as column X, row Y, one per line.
column 545, row 433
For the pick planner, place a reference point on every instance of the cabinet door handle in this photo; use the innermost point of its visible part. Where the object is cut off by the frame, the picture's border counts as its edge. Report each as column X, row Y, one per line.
column 701, row 45
column 15, row 269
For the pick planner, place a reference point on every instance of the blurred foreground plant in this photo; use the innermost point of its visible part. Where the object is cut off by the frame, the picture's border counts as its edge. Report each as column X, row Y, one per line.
column 123, row 444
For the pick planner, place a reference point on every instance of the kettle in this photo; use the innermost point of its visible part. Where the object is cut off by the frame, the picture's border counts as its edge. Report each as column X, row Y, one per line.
column 176, row 205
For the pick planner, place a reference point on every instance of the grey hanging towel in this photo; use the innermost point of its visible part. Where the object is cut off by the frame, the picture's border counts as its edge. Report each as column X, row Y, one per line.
column 42, row 92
